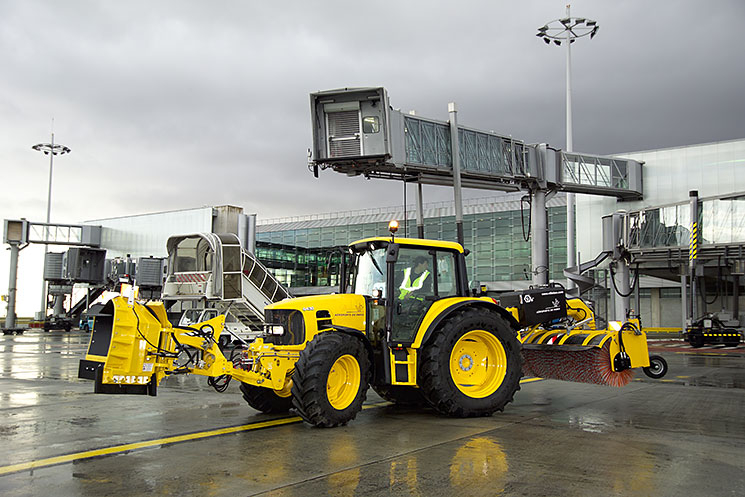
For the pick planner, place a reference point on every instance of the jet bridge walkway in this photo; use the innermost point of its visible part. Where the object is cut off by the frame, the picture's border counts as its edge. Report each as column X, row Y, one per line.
column 356, row 132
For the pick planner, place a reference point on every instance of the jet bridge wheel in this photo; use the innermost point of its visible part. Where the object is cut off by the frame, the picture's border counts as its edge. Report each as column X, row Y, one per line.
column 331, row 379
column 472, row 367
column 265, row 399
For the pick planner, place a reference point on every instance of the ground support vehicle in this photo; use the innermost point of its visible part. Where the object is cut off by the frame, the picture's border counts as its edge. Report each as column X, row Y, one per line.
column 710, row 330
column 422, row 342
column 61, row 322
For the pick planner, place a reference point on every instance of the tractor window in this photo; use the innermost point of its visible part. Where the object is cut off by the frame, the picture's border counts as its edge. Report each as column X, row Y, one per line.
column 413, row 276
column 370, row 271
column 446, row 280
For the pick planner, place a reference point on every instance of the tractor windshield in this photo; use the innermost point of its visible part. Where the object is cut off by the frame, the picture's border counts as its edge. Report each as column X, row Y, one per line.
column 369, row 272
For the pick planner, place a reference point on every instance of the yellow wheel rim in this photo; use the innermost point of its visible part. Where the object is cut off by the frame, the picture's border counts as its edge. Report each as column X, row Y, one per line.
column 478, row 364
column 343, row 382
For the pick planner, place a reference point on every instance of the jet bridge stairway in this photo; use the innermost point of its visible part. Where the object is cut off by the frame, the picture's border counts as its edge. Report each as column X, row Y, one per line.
column 214, row 271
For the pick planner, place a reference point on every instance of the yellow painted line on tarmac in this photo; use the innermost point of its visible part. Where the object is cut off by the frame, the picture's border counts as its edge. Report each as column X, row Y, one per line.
column 530, row 380
column 50, row 461
column 117, row 449
column 706, row 353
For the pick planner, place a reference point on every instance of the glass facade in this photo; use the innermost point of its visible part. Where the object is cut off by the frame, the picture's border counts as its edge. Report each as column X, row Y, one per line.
column 721, row 221
column 499, row 252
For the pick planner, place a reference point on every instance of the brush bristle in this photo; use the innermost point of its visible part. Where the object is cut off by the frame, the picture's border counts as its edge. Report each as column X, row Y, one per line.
column 586, row 366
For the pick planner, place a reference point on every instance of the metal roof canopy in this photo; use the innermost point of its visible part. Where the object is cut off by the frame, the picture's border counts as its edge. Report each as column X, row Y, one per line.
column 356, row 132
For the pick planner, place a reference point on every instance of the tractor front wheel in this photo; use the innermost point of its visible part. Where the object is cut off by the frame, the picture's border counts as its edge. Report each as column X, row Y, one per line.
column 331, row 379
column 472, row 366
column 265, row 399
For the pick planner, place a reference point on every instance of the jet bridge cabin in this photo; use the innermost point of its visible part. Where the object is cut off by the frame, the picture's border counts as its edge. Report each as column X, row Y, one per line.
column 353, row 123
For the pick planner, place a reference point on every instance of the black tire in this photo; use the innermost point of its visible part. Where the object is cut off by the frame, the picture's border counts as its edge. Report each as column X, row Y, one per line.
column 657, row 367
column 437, row 383
column 401, row 395
column 732, row 342
column 696, row 341
column 265, row 399
column 312, row 371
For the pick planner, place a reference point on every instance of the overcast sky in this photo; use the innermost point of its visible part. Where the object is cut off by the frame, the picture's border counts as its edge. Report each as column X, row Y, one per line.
column 177, row 104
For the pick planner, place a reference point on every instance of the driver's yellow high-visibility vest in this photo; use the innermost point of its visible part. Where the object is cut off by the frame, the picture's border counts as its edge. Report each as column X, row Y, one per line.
column 407, row 286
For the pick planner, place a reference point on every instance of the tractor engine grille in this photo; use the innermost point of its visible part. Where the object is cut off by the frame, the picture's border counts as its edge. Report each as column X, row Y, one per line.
column 284, row 327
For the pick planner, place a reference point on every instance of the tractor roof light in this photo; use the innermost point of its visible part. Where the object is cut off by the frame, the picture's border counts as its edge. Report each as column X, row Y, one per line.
column 393, row 226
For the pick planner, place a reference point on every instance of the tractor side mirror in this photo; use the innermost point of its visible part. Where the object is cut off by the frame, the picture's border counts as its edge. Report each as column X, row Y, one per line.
column 391, row 254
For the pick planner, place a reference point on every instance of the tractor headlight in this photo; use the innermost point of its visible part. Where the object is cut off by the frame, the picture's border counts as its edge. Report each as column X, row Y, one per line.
column 276, row 330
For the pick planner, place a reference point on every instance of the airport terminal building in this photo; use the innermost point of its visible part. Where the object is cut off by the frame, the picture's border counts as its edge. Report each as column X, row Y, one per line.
column 305, row 251
column 301, row 249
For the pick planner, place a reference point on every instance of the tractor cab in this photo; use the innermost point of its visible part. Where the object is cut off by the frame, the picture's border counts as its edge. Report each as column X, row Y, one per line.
column 403, row 278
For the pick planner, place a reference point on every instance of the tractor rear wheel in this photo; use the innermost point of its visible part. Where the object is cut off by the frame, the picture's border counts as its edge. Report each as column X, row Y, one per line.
column 472, row 366
column 331, row 379
column 265, row 399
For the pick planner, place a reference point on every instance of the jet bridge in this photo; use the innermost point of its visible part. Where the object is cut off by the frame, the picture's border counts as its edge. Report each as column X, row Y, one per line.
column 356, row 132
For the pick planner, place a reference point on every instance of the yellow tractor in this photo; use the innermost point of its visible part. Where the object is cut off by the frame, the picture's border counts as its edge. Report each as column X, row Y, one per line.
column 405, row 322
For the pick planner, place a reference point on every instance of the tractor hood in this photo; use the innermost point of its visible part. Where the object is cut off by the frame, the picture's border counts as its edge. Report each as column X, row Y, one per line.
column 343, row 309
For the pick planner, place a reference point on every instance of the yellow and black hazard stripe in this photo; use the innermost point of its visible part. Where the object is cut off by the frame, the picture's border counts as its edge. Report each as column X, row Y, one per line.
column 693, row 243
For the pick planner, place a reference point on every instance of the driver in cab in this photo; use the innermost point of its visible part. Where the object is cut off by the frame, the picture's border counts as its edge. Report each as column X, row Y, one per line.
column 417, row 280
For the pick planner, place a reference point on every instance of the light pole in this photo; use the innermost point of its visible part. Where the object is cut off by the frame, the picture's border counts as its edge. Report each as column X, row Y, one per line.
column 50, row 149
column 567, row 30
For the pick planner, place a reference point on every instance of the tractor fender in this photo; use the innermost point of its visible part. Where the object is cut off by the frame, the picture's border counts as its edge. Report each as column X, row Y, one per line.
column 358, row 335
column 438, row 313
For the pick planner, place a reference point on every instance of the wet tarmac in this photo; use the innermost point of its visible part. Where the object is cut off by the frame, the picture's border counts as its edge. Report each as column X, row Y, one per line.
column 683, row 435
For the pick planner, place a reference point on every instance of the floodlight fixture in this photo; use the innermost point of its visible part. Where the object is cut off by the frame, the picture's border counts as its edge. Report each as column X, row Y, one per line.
column 51, row 149
column 568, row 29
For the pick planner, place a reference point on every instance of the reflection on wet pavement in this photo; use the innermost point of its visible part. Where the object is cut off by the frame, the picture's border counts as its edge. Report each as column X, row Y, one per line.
column 683, row 436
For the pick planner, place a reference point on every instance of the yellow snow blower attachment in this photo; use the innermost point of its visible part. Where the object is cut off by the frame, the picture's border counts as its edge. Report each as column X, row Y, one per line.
column 134, row 347
column 560, row 340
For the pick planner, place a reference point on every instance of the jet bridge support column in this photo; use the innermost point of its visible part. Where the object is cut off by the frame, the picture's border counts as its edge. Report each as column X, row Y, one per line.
column 693, row 253
column 455, row 155
column 622, row 293
column 10, row 317
column 539, row 237
column 419, row 211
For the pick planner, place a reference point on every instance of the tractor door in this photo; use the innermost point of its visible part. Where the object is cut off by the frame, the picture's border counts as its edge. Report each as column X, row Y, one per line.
column 420, row 277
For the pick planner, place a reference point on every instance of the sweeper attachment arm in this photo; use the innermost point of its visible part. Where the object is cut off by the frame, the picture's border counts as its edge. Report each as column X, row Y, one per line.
column 560, row 340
